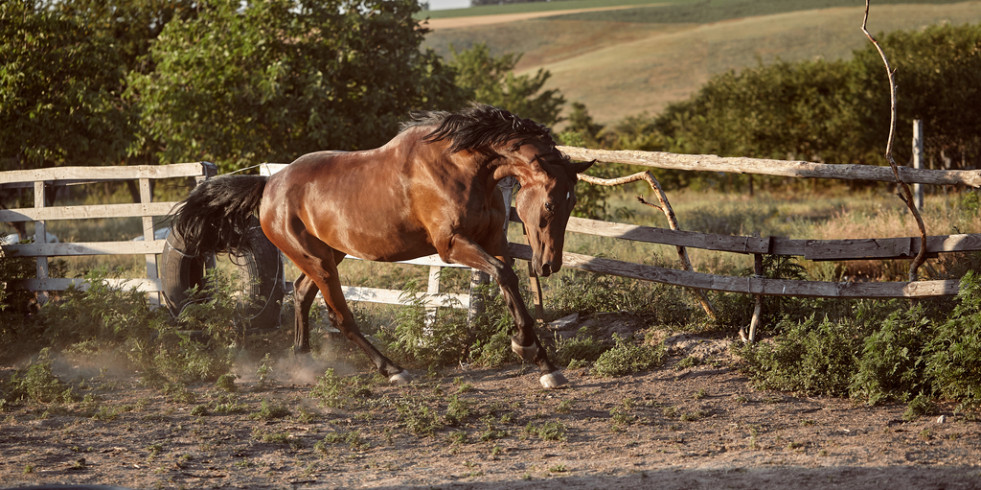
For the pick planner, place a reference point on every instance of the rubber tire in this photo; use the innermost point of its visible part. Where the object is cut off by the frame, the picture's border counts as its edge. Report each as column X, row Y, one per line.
column 259, row 264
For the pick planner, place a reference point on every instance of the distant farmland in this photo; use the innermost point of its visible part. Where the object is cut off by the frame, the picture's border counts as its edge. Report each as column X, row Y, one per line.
column 637, row 59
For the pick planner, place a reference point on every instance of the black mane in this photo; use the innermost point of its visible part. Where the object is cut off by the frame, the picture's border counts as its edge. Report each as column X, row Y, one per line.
column 479, row 127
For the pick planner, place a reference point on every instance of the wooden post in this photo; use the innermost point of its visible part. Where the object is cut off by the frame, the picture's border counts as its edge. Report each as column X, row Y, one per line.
column 146, row 196
column 432, row 287
column 40, row 237
column 478, row 281
column 758, row 308
column 918, row 161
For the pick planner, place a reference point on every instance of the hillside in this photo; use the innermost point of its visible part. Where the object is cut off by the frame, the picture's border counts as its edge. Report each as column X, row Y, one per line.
column 624, row 61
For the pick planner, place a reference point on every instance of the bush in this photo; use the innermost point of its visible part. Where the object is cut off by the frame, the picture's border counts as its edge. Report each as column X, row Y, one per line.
column 584, row 347
column 198, row 346
column 890, row 366
column 628, row 358
column 953, row 354
column 813, row 356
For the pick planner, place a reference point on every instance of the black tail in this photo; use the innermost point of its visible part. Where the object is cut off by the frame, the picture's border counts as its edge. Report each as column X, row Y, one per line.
column 218, row 214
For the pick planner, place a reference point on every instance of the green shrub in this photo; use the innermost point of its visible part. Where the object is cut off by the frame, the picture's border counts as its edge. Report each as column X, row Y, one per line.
column 953, row 354
column 422, row 339
column 582, row 348
column 628, row 358
column 890, row 366
column 37, row 382
column 813, row 356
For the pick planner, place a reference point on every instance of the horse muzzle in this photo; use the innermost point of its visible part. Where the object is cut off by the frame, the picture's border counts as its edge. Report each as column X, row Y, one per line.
column 545, row 268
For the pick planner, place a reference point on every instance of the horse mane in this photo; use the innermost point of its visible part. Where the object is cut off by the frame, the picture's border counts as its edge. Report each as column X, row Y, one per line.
column 478, row 128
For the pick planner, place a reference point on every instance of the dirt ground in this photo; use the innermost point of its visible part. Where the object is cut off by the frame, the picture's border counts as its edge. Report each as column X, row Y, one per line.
column 702, row 426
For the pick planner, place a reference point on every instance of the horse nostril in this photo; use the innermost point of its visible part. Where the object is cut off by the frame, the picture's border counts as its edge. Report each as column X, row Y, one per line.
column 546, row 270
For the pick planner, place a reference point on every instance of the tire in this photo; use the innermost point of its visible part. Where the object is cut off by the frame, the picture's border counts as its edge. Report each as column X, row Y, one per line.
column 259, row 266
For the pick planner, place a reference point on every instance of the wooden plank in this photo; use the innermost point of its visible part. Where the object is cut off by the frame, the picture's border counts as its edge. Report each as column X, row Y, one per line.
column 396, row 297
column 847, row 249
column 87, row 212
column 862, row 248
column 742, row 165
column 61, row 284
column 40, row 232
column 429, row 260
column 63, row 175
column 750, row 285
column 680, row 238
column 86, row 248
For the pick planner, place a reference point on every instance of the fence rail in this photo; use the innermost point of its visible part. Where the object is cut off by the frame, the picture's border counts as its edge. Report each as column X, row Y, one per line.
column 41, row 180
column 762, row 166
column 849, row 249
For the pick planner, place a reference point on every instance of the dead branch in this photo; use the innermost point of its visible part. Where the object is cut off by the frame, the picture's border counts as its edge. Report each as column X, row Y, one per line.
column 668, row 213
column 906, row 196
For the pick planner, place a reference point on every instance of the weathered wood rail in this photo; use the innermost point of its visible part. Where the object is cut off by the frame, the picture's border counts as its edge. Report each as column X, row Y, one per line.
column 850, row 249
column 41, row 180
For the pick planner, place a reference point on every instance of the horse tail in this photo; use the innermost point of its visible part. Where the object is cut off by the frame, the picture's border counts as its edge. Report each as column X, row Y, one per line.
column 217, row 215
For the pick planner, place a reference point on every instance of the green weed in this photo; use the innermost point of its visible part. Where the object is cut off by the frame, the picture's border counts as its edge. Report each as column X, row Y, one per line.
column 549, row 431
column 270, row 411
column 628, row 358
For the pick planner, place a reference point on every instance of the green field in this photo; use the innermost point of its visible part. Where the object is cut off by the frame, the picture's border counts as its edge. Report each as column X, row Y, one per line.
column 638, row 59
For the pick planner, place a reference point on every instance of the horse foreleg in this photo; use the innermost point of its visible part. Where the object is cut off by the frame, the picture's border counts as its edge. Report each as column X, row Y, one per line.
column 524, row 343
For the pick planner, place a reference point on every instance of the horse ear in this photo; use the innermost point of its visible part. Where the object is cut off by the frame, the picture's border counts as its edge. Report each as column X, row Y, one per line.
column 580, row 167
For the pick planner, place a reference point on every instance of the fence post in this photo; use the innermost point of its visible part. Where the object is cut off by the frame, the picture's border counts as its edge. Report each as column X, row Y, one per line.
column 146, row 196
column 41, row 237
column 478, row 281
column 918, row 161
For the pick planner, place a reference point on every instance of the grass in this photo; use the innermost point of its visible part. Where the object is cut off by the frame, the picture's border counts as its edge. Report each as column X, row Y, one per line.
column 662, row 54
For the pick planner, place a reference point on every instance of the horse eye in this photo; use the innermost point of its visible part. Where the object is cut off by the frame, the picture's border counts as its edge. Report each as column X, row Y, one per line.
column 549, row 207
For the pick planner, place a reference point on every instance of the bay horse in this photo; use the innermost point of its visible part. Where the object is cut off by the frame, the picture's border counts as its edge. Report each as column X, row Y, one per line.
column 431, row 189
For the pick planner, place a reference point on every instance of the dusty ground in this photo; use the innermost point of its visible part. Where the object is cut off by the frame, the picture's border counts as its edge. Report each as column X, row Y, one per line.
column 698, row 427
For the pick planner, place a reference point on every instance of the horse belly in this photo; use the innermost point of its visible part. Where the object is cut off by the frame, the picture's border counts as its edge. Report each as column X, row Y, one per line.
column 385, row 245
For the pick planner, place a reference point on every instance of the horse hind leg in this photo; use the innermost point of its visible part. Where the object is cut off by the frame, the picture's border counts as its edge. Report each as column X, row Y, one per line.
column 319, row 264
column 304, row 293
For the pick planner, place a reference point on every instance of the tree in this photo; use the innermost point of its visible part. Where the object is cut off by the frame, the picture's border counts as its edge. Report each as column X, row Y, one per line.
column 242, row 83
column 491, row 80
column 59, row 90
column 838, row 111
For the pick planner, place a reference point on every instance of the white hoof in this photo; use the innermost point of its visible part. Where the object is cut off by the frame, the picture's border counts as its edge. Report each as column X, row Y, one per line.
column 527, row 353
column 553, row 380
column 401, row 378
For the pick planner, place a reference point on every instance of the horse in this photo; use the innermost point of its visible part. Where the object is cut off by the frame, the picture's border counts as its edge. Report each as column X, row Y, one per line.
column 431, row 189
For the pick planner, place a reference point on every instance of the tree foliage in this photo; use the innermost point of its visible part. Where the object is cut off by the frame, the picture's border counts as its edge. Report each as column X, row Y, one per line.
column 59, row 99
column 838, row 111
column 491, row 80
column 267, row 81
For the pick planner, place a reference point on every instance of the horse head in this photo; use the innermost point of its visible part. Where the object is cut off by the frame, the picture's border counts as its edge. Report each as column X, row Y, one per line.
column 546, row 199
column 522, row 148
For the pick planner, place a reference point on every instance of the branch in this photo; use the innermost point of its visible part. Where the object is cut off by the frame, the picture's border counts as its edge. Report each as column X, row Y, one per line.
column 668, row 212
column 906, row 196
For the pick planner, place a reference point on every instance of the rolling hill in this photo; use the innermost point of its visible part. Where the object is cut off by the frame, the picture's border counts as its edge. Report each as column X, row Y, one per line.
column 625, row 58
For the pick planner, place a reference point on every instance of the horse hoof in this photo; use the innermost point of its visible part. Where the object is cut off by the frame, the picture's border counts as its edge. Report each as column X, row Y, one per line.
column 553, row 380
column 527, row 353
column 401, row 378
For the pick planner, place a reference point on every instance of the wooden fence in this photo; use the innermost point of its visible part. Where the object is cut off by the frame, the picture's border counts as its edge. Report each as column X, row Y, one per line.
column 43, row 181
column 870, row 248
